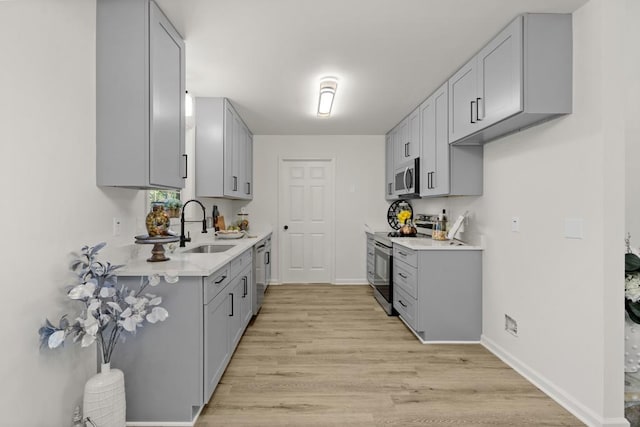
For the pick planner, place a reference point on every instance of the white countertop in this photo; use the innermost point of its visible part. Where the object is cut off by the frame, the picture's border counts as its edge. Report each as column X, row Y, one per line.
column 189, row 264
column 425, row 244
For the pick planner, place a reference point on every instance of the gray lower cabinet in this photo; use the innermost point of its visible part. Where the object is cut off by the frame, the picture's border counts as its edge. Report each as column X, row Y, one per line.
column 172, row 368
column 438, row 293
column 246, row 299
column 370, row 258
column 140, row 89
column 217, row 348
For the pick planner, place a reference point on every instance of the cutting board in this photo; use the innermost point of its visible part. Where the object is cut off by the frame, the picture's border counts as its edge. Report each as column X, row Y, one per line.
column 220, row 223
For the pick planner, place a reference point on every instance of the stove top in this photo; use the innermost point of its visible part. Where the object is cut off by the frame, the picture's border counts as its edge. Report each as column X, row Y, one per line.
column 399, row 234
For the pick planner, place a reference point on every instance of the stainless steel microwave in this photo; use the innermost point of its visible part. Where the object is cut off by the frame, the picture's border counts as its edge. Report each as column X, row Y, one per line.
column 407, row 181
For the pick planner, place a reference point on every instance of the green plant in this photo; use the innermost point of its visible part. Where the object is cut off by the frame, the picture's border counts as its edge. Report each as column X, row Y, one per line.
column 172, row 203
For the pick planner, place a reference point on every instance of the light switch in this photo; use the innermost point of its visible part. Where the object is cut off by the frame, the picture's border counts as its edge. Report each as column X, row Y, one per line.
column 117, row 223
column 515, row 224
column 573, row 228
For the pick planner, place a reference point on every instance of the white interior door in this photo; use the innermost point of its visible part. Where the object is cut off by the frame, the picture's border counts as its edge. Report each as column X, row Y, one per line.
column 306, row 214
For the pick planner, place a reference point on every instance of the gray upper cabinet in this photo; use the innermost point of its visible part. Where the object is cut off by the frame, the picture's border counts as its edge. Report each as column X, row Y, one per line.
column 140, row 87
column 389, row 169
column 446, row 169
column 224, row 151
column 523, row 76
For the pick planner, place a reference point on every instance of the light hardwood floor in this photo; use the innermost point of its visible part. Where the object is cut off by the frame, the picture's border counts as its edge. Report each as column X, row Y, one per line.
column 322, row 355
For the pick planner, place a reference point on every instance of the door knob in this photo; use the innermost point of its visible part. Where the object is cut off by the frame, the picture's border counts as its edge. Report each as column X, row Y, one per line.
column 286, row 227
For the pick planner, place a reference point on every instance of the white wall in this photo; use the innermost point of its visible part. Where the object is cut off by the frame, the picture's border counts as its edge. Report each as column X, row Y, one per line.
column 359, row 198
column 566, row 294
column 632, row 64
column 51, row 204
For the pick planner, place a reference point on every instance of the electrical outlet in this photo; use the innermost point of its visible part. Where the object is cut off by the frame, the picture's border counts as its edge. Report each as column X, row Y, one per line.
column 510, row 325
column 117, row 222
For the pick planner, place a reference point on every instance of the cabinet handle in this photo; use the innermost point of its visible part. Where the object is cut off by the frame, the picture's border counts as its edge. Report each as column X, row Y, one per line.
column 402, row 253
column 244, row 279
column 268, row 256
column 472, row 102
column 389, row 190
column 406, row 149
column 217, row 282
column 248, row 188
column 402, row 275
column 231, row 294
column 235, row 183
column 478, row 109
column 402, row 304
column 186, row 164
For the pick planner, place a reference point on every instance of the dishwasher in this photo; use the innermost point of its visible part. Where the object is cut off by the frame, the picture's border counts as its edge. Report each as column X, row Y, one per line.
column 259, row 273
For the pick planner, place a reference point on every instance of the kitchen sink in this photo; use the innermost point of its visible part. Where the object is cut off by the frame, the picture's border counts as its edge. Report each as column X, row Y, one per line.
column 208, row 249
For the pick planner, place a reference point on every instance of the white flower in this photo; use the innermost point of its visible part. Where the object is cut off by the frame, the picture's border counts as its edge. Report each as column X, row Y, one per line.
column 632, row 287
column 82, row 291
column 155, row 301
column 87, row 340
column 171, row 276
column 158, row 314
column 115, row 306
column 56, row 339
column 94, row 305
column 154, row 279
column 128, row 324
column 90, row 325
column 107, row 292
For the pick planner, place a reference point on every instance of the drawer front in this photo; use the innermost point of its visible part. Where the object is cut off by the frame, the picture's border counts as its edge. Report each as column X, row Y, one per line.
column 406, row 255
column 241, row 262
column 406, row 277
column 215, row 283
column 370, row 272
column 406, row 306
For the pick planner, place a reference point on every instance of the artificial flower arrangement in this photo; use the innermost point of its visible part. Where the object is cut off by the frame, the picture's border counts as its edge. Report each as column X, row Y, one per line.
column 108, row 310
column 403, row 216
column 632, row 284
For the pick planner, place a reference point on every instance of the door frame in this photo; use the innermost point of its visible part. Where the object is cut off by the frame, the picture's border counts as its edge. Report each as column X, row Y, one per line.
column 332, row 214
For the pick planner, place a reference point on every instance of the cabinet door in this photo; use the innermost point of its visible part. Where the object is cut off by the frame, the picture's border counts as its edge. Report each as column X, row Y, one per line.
column 246, row 304
column 463, row 102
column 388, row 186
column 167, row 165
column 500, row 76
column 401, row 144
column 216, row 341
column 229, row 132
column 235, row 318
column 246, row 161
column 435, row 163
column 413, row 136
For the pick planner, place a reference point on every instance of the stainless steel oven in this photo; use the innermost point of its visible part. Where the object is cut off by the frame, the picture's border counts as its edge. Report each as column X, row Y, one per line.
column 383, row 273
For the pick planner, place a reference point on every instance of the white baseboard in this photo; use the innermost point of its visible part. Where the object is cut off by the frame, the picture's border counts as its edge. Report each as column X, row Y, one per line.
column 350, row 282
column 584, row 414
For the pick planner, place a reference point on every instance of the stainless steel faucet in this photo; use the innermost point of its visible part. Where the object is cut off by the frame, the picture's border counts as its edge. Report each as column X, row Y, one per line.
column 184, row 239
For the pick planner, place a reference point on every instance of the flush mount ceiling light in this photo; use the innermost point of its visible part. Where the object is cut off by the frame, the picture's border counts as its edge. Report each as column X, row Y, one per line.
column 328, row 87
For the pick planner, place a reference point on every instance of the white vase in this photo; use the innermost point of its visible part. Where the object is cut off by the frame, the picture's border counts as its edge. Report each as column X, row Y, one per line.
column 104, row 400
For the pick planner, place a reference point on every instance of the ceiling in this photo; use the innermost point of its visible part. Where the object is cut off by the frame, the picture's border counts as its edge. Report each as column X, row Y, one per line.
column 267, row 56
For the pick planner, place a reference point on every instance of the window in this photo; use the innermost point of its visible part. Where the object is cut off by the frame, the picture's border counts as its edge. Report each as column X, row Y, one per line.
column 170, row 199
